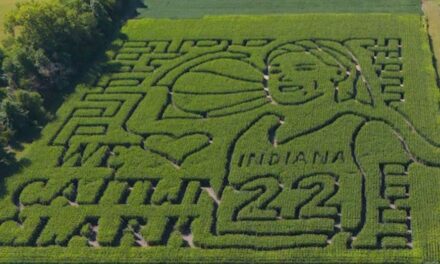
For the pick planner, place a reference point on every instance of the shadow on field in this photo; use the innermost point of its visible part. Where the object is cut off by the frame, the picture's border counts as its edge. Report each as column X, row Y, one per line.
column 3, row 190
column 14, row 168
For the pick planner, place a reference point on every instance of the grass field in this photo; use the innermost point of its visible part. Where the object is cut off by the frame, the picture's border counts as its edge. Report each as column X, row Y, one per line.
column 199, row 8
column 307, row 138
column 5, row 6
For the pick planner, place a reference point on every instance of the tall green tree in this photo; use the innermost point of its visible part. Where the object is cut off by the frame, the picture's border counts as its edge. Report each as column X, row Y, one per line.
column 5, row 156
column 51, row 41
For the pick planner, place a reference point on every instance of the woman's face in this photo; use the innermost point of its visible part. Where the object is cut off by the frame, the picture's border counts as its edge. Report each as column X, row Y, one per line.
column 298, row 77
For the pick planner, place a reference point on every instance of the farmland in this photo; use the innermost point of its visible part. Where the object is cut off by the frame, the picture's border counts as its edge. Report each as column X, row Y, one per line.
column 200, row 8
column 302, row 138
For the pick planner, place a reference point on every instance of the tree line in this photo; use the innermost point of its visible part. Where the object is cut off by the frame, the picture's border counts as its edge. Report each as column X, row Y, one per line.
column 48, row 45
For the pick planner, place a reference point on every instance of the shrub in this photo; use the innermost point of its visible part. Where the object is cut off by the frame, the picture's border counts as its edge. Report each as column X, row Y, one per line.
column 22, row 110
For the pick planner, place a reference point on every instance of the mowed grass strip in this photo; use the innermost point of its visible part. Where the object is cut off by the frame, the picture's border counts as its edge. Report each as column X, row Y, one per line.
column 200, row 8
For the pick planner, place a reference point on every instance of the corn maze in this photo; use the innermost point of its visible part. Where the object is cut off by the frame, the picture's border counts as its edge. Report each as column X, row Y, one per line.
column 259, row 144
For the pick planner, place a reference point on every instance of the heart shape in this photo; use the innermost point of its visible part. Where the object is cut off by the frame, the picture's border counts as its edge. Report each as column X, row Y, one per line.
column 176, row 149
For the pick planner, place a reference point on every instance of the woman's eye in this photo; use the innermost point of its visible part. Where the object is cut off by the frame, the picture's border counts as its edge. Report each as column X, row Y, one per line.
column 305, row 67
